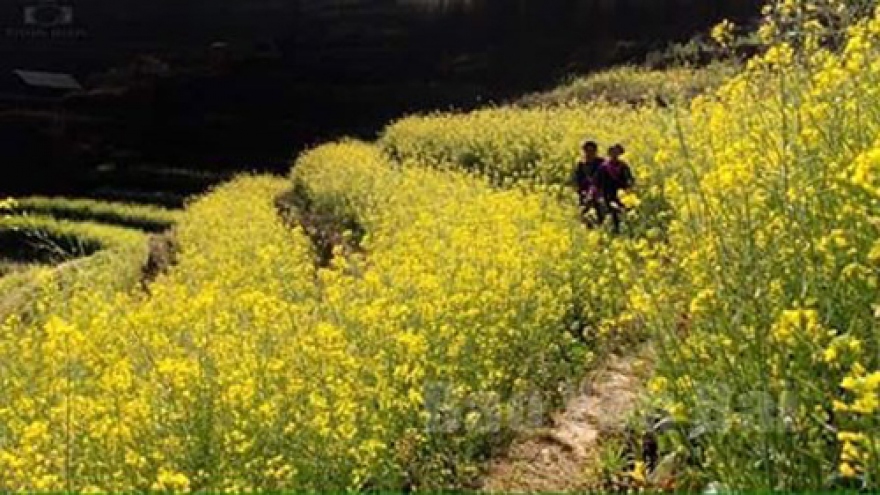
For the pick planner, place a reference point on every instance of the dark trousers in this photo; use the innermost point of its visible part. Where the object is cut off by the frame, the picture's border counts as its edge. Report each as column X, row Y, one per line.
column 615, row 208
column 590, row 203
column 608, row 204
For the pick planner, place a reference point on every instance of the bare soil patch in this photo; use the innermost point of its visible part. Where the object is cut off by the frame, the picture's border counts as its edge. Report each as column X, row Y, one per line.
column 566, row 456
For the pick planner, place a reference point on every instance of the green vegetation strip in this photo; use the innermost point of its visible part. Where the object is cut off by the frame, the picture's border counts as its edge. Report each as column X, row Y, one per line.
column 94, row 257
column 635, row 85
column 142, row 217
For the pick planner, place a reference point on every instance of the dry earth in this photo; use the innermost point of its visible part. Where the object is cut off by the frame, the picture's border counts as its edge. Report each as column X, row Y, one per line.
column 562, row 457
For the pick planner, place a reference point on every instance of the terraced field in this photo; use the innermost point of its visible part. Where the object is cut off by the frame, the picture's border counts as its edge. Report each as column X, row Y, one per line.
column 52, row 244
column 395, row 315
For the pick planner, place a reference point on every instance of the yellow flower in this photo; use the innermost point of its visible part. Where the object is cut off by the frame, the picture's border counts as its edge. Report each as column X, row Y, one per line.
column 847, row 471
column 874, row 255
column 851, row 437
column 723, row 33
column 658, row 385
column 639, row 472
column 830, row 355
column 170, row 480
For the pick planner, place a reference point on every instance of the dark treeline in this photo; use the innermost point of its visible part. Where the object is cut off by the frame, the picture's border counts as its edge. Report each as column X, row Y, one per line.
column 505, row 42
column 249, row 82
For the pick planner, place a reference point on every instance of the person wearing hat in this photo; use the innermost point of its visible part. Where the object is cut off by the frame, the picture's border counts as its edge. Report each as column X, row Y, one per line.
column 585, row 179
column 613, row 176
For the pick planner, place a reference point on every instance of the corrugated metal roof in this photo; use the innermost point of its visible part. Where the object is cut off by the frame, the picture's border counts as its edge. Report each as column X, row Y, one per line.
column 51, row 80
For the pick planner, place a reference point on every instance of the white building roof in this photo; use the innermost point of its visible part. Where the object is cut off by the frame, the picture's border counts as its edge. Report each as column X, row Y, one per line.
column 51, row 80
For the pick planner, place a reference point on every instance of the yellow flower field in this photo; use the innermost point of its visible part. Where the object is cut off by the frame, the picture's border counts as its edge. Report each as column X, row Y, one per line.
column 471, row 292
column 248, row 367
column 777, row 217
column 763, row 298
column 118, row 392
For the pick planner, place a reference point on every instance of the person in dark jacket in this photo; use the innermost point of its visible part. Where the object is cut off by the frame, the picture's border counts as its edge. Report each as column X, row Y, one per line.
column 613, row 176
column 585, row 180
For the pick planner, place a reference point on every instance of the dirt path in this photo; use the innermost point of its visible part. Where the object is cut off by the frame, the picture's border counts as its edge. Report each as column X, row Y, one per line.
column 559, row 458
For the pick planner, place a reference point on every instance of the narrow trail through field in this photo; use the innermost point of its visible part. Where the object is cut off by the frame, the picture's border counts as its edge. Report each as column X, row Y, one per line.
column 565, row 456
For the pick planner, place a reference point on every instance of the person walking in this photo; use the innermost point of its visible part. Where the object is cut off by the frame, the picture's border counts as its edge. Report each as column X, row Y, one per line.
column 585, row 174
column 613, row 176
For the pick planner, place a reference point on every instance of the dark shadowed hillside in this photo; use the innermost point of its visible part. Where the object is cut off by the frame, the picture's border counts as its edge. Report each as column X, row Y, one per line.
column 244, row 83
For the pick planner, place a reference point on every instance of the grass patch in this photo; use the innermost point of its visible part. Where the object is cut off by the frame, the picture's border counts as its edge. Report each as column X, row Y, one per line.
column 634, row 85
column 43, row 254
column 142, row 217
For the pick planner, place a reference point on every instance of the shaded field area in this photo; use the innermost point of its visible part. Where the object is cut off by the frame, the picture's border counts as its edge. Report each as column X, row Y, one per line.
column 241, row 86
